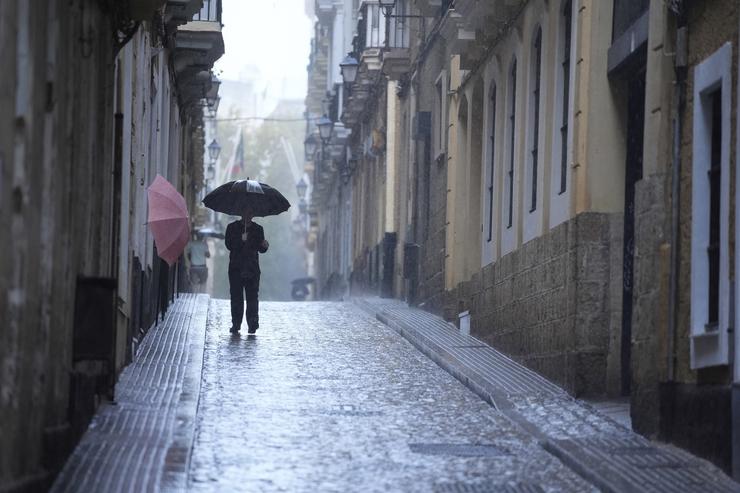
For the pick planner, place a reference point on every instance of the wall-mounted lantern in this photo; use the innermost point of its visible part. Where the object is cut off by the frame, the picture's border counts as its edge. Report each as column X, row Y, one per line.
column 349, row 67
column 326, row 127
column 301, row 188
column 309, row 147
column 214, row 150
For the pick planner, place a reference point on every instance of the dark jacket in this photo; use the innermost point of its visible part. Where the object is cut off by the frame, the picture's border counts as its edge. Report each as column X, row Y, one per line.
column 243, row 256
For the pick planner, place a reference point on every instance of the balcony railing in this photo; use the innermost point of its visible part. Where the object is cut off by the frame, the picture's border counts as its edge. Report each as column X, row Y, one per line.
column 371, row 27
column 211, row 11
column 399, row 26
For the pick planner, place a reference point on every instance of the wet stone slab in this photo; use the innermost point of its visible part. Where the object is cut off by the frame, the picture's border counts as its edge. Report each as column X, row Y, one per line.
column 325, row 398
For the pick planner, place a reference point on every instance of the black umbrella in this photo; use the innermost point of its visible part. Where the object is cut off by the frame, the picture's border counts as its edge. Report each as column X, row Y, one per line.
column 235, row 196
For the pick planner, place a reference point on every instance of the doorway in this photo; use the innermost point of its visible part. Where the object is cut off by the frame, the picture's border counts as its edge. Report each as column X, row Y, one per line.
column 633, row 173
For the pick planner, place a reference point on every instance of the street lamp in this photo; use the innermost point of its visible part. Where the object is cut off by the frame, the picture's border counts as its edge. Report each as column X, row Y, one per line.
column 301, row 188
column 326, row 127
column 349, row 67
column 214, row 150
column 213, row 106
column 388, row 6
column 211, row 173
column 302, row 206
column 309, row 146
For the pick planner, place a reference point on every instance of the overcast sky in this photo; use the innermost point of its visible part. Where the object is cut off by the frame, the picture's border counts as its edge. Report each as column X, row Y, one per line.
column 269, row 39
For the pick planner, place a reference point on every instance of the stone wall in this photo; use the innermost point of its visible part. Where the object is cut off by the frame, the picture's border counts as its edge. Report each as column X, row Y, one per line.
column 703, row 424
column 553, row 304
column 650, row 299
column 55, row 139
column 76, row 156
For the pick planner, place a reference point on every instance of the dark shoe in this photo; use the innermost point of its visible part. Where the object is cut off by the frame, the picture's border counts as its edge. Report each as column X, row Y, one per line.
column 234, row 329
column 252, row 329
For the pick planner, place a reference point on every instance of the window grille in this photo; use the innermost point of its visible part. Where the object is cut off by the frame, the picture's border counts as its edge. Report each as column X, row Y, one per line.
column 715, row 181
column 512, row 124
column 567, row 19
column 492, row 161
column 211, row 11
column 536, row 119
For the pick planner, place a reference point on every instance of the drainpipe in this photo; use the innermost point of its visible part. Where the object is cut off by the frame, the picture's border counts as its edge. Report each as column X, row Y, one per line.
column 679, row 95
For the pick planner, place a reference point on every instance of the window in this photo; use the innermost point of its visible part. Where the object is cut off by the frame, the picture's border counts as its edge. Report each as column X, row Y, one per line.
column 535, row 129
column 715, row 180
column 438, row 115
column 561, row 155
column 492, row 160
column 512, row 130
column 710, row 285
column 566, row 19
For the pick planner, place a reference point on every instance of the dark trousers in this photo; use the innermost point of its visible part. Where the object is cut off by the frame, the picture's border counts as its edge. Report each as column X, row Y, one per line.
column 241, row 287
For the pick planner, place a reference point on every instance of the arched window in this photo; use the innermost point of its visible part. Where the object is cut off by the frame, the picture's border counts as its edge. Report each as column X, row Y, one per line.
column 512, row 130
column 534, row 130
column 492, row 160
column 566, row 20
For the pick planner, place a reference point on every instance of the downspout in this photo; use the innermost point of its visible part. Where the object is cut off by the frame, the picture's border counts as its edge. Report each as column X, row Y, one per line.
column 679, row 96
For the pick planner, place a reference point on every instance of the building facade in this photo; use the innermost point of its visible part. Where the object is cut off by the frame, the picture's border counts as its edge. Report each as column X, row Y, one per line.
column 100, row 98
column 534, row 170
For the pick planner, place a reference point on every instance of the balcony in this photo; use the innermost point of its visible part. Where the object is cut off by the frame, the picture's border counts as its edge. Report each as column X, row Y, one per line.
column 143, row 10
column 198, row 44
column 377, row 53
column 469, row 25
column 179, row 12
column 432, row 8
column 325, row 11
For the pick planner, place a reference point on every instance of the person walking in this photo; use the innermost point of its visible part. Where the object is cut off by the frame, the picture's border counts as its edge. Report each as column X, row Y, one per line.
column 197, row 252
column 245, row 239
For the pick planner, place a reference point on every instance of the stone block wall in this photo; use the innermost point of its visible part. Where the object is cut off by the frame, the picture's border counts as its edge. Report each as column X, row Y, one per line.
column 553, row 304
column 650, row 298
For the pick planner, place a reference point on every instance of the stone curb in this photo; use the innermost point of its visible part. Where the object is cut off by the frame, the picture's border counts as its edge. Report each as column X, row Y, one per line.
column 177, row 460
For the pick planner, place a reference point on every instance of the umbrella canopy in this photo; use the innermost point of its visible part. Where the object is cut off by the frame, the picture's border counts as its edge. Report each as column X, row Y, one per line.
column 168, row 219
column 233, row 197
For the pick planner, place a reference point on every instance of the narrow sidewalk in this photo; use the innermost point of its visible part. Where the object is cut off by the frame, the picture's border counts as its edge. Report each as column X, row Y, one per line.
column 143, row 441
column 604, row 452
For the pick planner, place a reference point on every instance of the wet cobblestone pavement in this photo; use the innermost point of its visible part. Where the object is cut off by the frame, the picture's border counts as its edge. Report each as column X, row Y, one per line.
column 325, row 398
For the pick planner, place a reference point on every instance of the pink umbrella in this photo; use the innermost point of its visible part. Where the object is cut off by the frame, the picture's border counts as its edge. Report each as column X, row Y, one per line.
column 169, row 220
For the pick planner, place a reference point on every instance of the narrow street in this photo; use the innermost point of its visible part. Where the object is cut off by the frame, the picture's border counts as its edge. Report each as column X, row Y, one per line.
column 324, row 398
column 490, row 245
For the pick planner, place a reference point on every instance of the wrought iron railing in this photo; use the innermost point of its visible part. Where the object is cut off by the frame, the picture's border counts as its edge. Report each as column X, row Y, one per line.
column 399, row 34
column 371, row 27
column 211, row 11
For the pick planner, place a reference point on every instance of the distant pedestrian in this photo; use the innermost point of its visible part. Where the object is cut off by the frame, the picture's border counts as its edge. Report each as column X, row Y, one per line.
column 197, row 252
column 244, row 240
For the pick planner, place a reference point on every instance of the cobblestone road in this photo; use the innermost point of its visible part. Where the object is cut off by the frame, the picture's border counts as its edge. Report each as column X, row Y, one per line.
column 325, row 398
